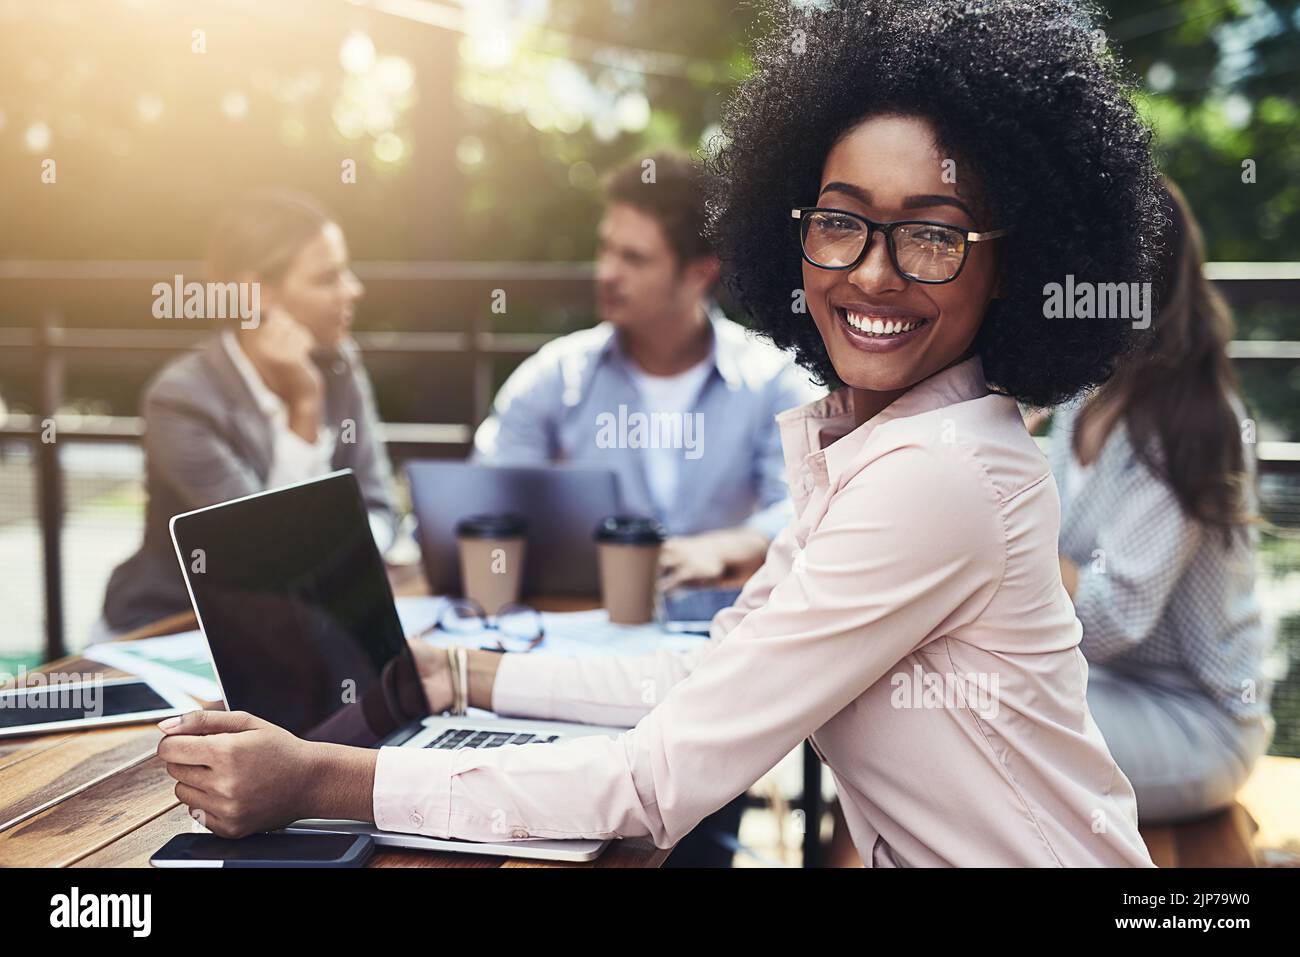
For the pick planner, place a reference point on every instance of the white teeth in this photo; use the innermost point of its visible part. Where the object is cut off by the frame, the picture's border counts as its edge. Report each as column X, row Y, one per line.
column 877, row 327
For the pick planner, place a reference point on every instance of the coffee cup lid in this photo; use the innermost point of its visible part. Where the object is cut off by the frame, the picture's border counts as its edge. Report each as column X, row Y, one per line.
column 630, row 530
column 499, row 525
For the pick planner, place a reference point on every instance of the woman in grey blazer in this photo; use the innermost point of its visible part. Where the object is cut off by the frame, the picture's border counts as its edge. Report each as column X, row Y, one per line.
column 1158, row 551
column 275, row 399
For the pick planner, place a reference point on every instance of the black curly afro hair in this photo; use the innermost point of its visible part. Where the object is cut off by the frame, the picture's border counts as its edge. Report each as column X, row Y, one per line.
column 1023, row 93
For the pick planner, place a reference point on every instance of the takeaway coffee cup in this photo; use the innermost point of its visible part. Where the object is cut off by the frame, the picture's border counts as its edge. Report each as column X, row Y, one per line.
column 628, row 550
column 491, row 558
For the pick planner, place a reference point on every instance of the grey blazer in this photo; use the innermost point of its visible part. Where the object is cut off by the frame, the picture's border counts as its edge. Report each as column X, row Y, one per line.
column 206, row 441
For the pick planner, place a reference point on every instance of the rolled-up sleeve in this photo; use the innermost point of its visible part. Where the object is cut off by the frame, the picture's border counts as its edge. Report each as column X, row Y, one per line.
column 912, row 548
column 520, row 429
column 1140, row 554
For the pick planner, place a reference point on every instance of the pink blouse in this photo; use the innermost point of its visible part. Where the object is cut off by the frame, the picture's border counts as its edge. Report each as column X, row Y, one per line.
column 911, row 621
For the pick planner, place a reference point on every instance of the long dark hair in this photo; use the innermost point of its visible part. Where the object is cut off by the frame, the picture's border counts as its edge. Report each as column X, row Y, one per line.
column 1178, row 390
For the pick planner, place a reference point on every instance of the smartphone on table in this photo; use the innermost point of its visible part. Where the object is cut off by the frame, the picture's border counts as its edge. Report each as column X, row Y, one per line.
column 265, row 850
column 691, row 610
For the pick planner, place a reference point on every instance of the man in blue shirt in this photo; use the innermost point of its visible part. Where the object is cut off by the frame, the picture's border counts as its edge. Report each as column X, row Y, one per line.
column 665, row 390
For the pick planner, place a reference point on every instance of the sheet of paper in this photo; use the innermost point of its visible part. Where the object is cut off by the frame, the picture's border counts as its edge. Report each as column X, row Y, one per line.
column 179, row 661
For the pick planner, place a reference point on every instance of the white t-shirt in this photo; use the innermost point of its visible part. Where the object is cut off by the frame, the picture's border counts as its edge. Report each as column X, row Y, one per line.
column 1077, row 473
column 293, row 458
column 674, row 395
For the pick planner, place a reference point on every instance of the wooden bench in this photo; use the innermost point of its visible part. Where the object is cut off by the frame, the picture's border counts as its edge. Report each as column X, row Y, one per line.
column 1262, row 829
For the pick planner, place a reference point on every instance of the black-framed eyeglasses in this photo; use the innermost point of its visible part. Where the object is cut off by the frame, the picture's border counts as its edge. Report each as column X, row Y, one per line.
column 921, row 251
column 514, row 628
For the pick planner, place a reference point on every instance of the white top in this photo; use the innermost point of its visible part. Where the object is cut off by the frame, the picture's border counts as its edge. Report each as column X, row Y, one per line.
column 674, row 396
column 293, row 459
column 1076, row 472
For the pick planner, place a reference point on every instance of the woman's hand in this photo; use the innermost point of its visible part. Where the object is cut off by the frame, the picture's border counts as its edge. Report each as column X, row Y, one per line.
column 435, row 674
column 240, row 775
column 280, row 350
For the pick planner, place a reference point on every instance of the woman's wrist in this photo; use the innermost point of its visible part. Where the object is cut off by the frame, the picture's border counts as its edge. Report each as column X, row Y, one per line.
column 340, row 782
column 482, row 677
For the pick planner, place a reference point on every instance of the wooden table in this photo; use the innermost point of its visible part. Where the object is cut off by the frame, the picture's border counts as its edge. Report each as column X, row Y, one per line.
column 101, row 798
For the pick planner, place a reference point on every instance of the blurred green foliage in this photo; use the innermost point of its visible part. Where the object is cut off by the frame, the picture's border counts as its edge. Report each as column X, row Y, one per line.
column 535, row 194
column 1218, row 83
column 1286, row 694
column 518, row 108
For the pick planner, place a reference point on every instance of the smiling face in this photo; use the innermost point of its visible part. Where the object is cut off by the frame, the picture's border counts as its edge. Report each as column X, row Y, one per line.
column 319, row 288
column 887, row 168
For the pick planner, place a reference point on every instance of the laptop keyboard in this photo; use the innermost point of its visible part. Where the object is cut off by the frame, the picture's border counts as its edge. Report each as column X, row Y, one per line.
column 456, row 738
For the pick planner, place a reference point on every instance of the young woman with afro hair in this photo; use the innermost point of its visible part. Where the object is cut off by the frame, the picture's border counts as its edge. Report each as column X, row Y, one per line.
column 899, row 181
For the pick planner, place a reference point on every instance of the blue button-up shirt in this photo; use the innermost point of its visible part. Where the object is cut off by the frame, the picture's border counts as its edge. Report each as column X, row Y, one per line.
column 575, row 402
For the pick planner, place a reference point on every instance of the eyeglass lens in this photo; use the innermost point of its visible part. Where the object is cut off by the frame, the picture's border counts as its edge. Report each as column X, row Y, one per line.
column 923, row 251
column 515, row 626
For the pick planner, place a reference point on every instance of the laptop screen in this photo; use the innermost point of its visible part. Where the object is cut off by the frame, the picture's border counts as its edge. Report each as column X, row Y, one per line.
column 293, row 597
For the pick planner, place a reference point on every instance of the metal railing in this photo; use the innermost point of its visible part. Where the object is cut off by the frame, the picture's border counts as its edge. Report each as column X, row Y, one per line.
column 50, row 343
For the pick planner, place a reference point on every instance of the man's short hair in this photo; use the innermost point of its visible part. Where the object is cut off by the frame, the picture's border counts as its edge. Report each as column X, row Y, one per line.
column 670, row 187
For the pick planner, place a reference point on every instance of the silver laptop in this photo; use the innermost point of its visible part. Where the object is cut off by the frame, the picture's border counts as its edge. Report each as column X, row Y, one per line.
column 294, row 602
column 562, row 505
